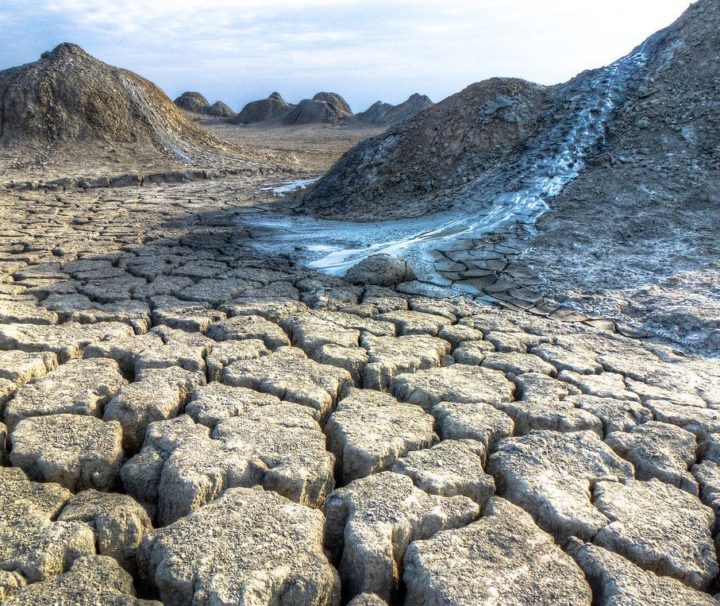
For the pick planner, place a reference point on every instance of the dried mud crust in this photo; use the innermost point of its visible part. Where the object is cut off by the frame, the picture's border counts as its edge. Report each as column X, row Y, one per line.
column 165, row 392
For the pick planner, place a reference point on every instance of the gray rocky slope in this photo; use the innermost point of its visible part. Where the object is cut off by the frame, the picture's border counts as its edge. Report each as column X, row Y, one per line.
column 631, row 227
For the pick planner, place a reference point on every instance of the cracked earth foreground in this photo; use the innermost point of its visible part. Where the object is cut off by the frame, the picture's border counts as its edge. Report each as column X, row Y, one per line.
column 188, row 421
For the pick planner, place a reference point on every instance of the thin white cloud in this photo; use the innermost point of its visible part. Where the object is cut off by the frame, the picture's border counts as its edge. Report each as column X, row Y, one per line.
column 241, row 49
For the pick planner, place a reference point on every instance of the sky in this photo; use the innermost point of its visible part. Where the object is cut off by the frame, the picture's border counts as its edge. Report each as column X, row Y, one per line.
column 240, row 50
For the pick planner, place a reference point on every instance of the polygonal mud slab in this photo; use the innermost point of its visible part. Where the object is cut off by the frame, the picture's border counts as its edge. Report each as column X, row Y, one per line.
column 370, row 430
column 371, row 521
column 459, row 333
column 550, row 475
column 288, row 374
column 700, row 421
column 21, row 367
column 124, row 350
column 79, row 387
column 249, row 327
column 658, row 450
column 352, row 359
column 181, row 349
column 281, row 560
column 616, row 415
column 159, row 394
column 118, row 521
column 75, row 451
column 659, row 528
column 89, row 582
column 575, row 359
column 503, row 558
column 416, row 322
column 553, row 415
column 213, row 403
column 456, row 383
column 25, row 312
column 367, row 599
column 66, row 340
column 618, row 582
column 473, row 421
column 31, row 544
column 472, row 352
column 604, row 385
column 226, row 352
column 311, row 332
column 514, row 363
column 391, row 356
column 183, row 466
column 450, row 468
column 537, row 387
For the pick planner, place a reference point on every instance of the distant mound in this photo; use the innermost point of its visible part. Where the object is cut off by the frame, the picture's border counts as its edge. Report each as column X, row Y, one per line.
column 318, row 111
column 445, row 146
column 323, row 108
column 192, row 102
column 69, row 99
column 335, row 101
column 220, row 110
column 385, row 114
column 264, row 110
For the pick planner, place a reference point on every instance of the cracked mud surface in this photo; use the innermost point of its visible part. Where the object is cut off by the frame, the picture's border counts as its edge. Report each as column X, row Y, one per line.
column 167, row 394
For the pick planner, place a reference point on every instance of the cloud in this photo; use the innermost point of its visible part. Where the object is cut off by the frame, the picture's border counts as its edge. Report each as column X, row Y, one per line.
column 366, row 49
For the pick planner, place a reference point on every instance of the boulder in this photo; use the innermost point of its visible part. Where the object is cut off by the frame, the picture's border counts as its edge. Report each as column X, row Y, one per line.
column 380, row 270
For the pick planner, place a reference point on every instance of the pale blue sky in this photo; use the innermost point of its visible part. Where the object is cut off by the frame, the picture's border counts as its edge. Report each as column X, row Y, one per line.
column 240, row 50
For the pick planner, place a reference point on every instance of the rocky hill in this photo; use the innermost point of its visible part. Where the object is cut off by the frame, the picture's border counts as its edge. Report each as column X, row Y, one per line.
column 385, row 114
column 68, row 101
column 620, row 165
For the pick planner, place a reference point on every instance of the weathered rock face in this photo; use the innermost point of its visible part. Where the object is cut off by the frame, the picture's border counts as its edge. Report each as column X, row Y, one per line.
column 272, row 108
column 384, row 114
column 456, row 140
column 193, row 102
column 69, row 97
